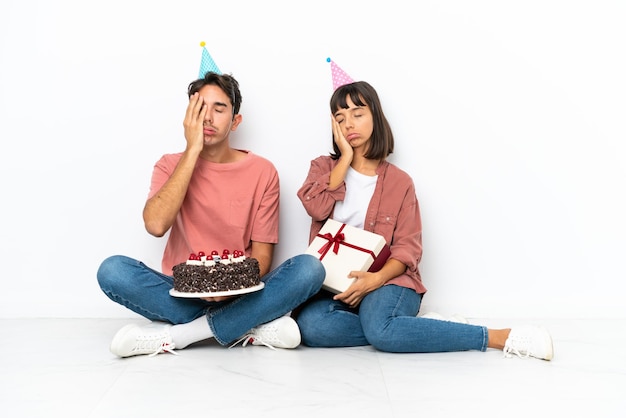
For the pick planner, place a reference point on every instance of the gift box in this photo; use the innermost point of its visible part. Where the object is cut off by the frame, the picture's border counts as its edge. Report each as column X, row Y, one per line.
column 343, row 248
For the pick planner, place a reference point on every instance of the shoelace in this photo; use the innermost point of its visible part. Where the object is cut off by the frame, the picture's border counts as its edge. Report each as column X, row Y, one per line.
column 250, row 338
column 529, row 342
column 164, row 347
column 510, row 349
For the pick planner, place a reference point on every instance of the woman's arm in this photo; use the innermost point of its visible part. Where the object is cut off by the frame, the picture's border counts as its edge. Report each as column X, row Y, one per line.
column 315, row 194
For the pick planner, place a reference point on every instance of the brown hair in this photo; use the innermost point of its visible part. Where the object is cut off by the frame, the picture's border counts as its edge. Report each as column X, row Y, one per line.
column 226, row 82
column 363, row 94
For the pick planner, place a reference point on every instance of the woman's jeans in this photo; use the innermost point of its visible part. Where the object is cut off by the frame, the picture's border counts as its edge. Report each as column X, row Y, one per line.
column 387, row 320
column 146, row 291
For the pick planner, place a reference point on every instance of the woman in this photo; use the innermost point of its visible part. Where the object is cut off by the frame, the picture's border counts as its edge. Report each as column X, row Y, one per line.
column 357, row 186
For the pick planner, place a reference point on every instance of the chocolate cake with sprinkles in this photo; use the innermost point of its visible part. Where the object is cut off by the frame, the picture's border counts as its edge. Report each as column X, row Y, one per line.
column 215, row 273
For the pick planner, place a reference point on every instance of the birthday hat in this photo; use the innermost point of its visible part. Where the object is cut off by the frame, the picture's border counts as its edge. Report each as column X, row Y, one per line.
column 207, row 64
column 340, row 77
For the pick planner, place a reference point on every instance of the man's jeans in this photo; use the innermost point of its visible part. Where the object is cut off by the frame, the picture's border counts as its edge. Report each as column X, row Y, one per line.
column 146, row 291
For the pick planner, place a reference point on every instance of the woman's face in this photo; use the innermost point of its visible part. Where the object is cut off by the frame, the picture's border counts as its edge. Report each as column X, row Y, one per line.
column 356, row 123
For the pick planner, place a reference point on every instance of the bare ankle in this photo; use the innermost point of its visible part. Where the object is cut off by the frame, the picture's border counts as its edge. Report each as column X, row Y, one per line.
column 496, row 338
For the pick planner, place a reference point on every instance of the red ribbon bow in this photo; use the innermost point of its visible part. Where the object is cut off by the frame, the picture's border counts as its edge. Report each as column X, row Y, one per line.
column 332, row 241
column 336, row 240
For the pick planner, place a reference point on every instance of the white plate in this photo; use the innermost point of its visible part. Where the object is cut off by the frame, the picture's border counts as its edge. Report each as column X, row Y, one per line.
column 216, row 294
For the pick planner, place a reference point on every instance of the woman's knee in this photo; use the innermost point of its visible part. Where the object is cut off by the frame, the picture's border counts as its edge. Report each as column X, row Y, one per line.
column 378, row 334
column 380, row 337
column 379, row 342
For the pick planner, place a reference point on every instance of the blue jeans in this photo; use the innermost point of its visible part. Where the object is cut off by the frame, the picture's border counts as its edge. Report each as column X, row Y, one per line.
column 146, row 291
column 387, row 320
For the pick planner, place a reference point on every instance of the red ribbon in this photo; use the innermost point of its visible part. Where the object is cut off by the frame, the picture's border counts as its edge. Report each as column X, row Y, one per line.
column 339, row 239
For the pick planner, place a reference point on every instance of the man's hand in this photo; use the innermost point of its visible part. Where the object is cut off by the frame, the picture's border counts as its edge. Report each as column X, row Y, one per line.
column 194, row 122
column 218, row 298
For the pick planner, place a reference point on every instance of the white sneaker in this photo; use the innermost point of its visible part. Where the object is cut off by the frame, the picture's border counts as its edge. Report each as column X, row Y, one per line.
column 458, row 318
column 529, row 341
column 433, row 315
column 454, row 318
column 279, row 333
column 133, row 340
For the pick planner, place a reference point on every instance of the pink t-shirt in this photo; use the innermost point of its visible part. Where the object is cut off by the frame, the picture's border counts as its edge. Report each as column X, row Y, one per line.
column 227, row 206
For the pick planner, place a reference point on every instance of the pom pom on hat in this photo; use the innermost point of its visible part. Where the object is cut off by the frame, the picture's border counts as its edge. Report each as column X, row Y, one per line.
column 340, row 77
column 206, row 63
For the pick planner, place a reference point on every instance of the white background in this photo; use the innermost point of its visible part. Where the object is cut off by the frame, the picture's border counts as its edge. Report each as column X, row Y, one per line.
column 508, row 115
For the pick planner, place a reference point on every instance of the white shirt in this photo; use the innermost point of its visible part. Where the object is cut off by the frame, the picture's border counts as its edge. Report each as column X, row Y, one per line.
column 359, row 192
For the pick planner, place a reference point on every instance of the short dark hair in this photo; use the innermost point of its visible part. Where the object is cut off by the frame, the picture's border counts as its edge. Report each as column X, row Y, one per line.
column 363, row 94
column 226, row 82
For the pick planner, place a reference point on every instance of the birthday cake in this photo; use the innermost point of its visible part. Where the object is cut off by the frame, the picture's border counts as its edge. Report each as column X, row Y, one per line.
column 216, row 273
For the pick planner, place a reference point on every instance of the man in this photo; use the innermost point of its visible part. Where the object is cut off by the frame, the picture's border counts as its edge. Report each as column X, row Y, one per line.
column 210, row 196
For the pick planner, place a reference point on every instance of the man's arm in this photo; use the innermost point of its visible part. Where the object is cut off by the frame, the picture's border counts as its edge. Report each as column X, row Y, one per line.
column 264, row 252
column 160, row 210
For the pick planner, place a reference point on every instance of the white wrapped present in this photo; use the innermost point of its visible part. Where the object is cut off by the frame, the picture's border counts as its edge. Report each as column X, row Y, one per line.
column 343, row 248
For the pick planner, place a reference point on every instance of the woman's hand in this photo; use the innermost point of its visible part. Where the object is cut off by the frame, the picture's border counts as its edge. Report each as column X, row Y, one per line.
column 364, row 283
column 342, row 143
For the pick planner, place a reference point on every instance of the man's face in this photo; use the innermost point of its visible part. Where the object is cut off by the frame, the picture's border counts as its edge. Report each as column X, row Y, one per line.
column 218, row 121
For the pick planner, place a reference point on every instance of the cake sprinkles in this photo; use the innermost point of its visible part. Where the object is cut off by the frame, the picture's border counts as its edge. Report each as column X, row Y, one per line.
column 215, row 273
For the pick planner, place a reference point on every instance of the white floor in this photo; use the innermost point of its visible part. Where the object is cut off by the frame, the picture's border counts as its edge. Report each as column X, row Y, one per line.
column 62, row 367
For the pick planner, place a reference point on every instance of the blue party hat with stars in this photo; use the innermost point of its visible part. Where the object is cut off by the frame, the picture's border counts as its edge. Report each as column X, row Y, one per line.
column 206, row 63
